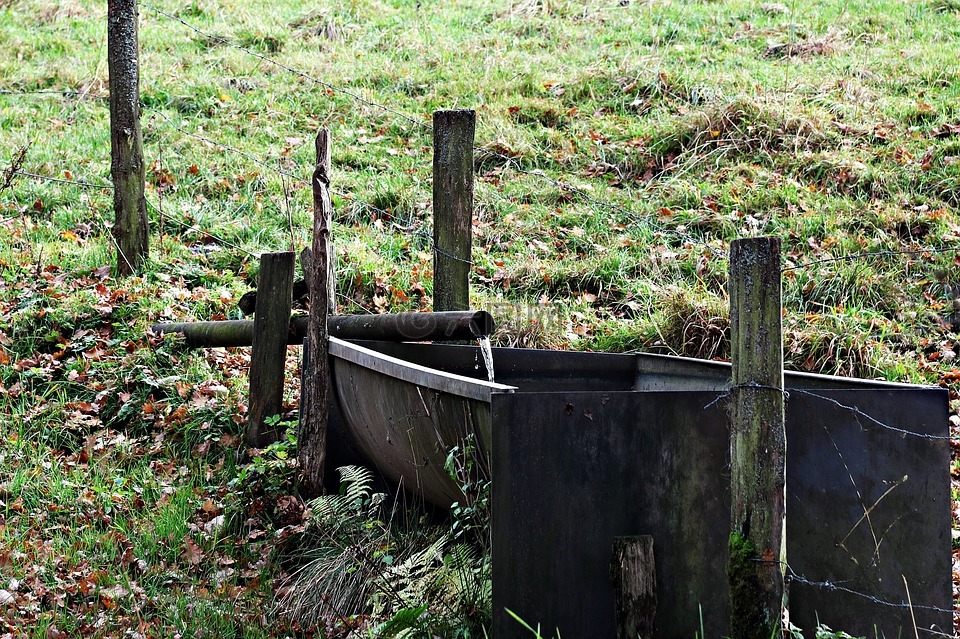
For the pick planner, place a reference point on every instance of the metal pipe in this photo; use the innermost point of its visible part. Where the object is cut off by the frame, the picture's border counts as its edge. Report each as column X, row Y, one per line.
column 399, row 327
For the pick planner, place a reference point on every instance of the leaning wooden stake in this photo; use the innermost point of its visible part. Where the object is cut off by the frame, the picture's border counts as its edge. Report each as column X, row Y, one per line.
column 757, row 441
column 634, row 576
column 130, row 228
column 270, row 328
column 315, row 393
column 453, row 133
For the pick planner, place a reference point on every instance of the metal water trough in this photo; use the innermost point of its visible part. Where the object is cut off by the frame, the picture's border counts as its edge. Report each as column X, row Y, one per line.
column 586, row 447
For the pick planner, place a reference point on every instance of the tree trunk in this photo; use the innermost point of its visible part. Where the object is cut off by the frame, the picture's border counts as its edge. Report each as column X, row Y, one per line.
column 130, row 229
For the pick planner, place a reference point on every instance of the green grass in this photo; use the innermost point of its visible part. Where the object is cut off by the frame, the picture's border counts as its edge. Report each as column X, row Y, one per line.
column 644, row 139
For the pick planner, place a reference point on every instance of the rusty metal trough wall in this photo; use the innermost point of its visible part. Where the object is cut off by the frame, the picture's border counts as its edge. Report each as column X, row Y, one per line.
column 591, row 446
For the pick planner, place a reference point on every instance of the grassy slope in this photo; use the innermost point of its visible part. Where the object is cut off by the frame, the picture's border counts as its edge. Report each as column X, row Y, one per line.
column 681, row 125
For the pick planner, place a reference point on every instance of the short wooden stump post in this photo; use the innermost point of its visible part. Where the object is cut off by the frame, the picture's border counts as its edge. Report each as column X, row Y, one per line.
column 634, row 576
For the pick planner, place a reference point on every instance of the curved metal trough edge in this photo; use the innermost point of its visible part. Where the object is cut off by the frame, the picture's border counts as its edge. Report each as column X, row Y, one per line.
column 415, row 374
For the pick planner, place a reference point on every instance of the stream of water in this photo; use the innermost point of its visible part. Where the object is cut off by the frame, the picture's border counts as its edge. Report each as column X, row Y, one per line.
column 487, row 352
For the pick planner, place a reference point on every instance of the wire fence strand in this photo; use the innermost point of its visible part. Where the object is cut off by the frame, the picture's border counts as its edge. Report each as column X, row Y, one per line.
column 856, row 411
column 49, row 178
column 872, row 255
column 792, row 575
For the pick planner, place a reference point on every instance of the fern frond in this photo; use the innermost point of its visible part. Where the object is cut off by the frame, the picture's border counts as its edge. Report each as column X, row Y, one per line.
column 407, row 619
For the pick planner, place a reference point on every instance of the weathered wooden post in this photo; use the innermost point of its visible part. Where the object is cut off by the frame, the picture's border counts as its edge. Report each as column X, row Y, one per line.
column 127, row 168
column 315, row 393
column 453, row 134
column 271, row 325
column 757, row 441
column 634, row 576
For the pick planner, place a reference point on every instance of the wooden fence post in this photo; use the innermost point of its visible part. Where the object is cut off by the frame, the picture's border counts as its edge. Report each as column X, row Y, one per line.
column 453, row 134
column 271, row 324
column 315, row 393
column 634, row 576
column 757, row 441
column 130, row 229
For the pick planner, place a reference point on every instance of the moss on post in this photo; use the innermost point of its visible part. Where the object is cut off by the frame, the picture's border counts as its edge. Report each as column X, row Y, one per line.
column 747, row 618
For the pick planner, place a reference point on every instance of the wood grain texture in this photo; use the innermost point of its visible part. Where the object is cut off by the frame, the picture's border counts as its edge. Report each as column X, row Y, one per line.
column 453, row 135
column 270, row 333
column 315, row 394
column 757, row 439
column 634, row 575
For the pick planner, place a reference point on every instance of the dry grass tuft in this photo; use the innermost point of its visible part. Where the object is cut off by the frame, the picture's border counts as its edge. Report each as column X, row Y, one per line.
column 521, row 330
column 743, row 126
column 946, row 6
column 806, row 48
column 834, row 345
column 694, row 326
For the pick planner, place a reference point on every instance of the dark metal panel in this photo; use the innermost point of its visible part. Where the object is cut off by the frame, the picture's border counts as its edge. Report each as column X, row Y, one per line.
column 869, row 507
column 666, row 372
column 530, row 369
column 573, row 470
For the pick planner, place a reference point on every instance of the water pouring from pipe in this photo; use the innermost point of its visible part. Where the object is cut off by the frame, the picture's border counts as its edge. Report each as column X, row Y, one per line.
column 487, row 352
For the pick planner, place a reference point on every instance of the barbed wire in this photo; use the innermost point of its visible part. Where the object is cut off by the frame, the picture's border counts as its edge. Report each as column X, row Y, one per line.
column 858, row 413
column 838, row 587
column 197, row 229
column 270, row 167
column 872, row 255
column 563, row 186
column 367, row 311
column 856, row 410
column 830, row 585
column 509, row 160
column 109, row 187
column 513, row 162
column 299, row 180
column 262, row 163
column 225, row 147
column 82, row 94
column 49, row 178
column 584, row 195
